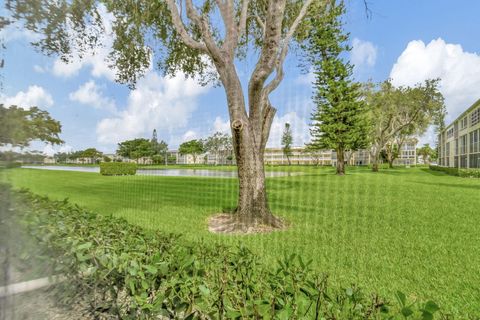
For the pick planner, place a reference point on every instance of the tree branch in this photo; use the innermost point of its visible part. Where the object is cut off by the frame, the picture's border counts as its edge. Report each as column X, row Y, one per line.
column 268, row 115
column 202, row 23
column 284, row 49
column 261, row 23
column 181, row 30
column 266, row 61
column 231, row 35
column 242, row 23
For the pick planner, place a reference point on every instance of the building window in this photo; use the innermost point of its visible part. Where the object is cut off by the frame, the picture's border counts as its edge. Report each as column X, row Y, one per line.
column 475, row 117
column 463, row 162
column 463, row 144
column 450, row 133
column 464, row 123
column 476, row 141
column 475, row 160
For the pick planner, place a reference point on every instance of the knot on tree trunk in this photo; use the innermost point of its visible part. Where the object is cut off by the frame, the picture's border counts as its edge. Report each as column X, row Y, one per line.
column 237, row 125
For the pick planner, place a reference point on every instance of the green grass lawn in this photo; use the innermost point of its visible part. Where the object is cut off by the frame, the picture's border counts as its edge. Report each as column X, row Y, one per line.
column 411, row 230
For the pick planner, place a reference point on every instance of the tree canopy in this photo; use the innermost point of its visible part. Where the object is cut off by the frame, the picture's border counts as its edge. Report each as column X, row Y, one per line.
column 159, row 147
column 192, row 147
column 394, row 110
column 218, row 143
column 182, row 36
column 19, row 127
column 136, row 148
column 91, row 153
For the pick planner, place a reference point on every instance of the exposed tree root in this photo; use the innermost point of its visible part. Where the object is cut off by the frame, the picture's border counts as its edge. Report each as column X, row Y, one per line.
column 233, row 223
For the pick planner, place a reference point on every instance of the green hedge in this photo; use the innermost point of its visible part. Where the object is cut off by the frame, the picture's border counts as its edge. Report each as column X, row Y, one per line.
column 122, row 271
column 117, row 168
column 465, row 173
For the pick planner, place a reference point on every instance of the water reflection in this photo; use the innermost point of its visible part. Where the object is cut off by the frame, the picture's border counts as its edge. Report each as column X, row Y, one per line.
column 167, row 172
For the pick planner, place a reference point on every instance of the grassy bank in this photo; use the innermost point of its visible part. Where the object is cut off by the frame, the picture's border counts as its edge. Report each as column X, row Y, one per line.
column 411, row 230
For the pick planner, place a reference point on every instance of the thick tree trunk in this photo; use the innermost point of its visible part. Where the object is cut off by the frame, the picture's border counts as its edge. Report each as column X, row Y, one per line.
column 390, row 163
column 340, row 162
column 252, row 207
column 375, row 159
column 375, row 155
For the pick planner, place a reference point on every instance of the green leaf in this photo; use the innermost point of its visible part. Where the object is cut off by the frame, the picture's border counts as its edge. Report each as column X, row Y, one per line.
column 407, row 311
column 151, row 269
column 204, row 289
column 233, row 314
column 431, row 307
column 84, row 246
column 349, row 292
column 401, row 298
column 427, row 315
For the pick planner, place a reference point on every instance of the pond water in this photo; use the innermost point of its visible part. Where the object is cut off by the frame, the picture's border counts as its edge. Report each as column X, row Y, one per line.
column 167, row 172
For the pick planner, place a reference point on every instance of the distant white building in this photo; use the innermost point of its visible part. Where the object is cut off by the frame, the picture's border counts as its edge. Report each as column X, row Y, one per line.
column 49, row 160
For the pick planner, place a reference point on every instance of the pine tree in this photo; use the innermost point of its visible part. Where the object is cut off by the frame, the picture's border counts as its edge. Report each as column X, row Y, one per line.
column 287, row 141
column 154, row 140
column 340, row 119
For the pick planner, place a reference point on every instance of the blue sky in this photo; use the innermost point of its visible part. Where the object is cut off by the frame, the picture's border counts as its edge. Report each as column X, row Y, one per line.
column 407, row 40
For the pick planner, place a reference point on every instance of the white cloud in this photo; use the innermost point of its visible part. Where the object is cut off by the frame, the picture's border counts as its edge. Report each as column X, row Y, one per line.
column 34, row 96
column 298, row 125
column 66, row 70
column 364, row 53
column 96, row 59
column 91, row 94
column 458, row 70
column 65, row 148
column 306, row 79
column 50, row 150
column 162, row 103
column 16, row 32
column 189, row 135
column 38, row 69
column 219, row 125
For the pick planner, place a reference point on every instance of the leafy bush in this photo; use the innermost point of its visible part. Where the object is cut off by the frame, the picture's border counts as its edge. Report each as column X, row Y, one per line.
column 465, row 173
column 124, row 271
column 118, row 168
column 469, row 173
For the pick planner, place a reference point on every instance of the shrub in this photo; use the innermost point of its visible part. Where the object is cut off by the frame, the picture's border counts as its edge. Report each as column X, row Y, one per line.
column 118, row 168
column 469, row 173
column 465, row 173
column 126, row 272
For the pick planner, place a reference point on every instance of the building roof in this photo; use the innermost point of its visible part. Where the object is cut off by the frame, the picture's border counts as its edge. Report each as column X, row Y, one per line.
column 464, row 113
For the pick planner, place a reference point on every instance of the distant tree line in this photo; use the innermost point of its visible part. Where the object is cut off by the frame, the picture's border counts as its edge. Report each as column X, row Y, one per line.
column 220, row 145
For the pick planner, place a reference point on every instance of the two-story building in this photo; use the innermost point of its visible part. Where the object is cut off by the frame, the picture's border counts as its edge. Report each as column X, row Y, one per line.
column 459, row 142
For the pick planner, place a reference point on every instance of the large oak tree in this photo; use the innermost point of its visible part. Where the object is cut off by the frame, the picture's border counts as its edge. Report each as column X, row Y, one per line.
column 194, row 38
column 395, row 110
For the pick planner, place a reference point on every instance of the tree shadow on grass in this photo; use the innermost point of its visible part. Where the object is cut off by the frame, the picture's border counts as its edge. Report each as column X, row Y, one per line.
column 450, row 185
column 435, row 173
column 391, row 171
